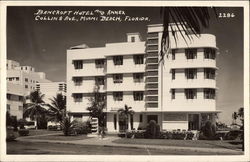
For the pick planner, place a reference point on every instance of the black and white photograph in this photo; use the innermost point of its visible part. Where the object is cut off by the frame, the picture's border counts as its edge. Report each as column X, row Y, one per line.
column 111, row 81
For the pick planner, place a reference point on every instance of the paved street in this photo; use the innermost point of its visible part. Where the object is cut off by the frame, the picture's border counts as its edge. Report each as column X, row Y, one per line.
column 21, row 147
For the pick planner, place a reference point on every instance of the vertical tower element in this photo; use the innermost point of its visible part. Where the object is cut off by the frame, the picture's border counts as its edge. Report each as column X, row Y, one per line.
column 152, row 69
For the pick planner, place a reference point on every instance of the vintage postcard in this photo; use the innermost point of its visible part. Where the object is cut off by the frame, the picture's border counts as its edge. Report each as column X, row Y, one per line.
column 116, row 81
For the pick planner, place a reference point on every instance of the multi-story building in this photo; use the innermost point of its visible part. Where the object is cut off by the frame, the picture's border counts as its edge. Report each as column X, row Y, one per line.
column 178, row 92
column 51, row 89
column 26, row 76
column 15, row 97
column 21, row 80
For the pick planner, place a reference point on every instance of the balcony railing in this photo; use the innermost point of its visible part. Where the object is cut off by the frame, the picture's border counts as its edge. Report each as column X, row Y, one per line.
column 151, row 73
column 153, row 47
column 152, row 67
column 151, row 92
column 152, row 34
column 152, row 60
column 155, row 79
column 151, row 98
column 152, row 105
column 152, row 85
column 152, row 41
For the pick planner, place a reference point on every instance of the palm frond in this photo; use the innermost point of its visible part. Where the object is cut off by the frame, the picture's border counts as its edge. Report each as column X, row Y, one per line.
column 188, row 20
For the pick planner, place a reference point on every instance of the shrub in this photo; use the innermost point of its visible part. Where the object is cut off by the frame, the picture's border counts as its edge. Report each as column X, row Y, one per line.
column 152, row 130
column 67, row 126
column 209, row 130
column 53, row 127
column 23, row 132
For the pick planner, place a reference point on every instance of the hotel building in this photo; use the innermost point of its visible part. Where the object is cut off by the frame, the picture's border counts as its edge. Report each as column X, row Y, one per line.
column 178, row 92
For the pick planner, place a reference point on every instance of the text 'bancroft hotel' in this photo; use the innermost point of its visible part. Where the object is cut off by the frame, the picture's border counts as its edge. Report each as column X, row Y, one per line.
column 179, row 93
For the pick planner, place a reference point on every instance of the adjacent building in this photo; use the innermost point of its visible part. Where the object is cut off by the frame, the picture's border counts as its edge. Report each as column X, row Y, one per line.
column 178, row 93
column 21, row 80
column 51, row 89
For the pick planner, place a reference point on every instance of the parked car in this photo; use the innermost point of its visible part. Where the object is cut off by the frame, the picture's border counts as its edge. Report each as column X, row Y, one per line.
column 11, row 135
column 30, row 125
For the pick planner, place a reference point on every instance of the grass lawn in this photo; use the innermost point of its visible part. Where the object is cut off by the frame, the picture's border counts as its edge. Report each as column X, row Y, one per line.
column 60, row 137
column 183, row 143
column 33, row 132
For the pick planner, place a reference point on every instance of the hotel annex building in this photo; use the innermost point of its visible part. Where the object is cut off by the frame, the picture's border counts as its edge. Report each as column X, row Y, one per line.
column 178, row 93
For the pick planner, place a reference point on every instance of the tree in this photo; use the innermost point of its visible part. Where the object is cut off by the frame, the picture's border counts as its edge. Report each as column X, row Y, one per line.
column 241, row 116
column 234, row 117
column 97, row 105
column 125, row 114
column 57, row 108
column 36, row 108
column 190, row 20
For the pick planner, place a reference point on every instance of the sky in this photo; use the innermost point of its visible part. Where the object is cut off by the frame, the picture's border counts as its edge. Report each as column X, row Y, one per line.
column 43, row 44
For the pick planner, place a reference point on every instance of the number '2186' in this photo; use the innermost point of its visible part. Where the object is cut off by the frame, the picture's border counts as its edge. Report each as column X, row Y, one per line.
column 226, row 15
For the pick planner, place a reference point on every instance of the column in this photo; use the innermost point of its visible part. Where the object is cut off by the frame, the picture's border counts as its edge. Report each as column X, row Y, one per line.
column 117, row 122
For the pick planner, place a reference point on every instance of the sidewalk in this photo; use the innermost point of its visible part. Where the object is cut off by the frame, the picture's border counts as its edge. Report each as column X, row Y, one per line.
column 108, row 142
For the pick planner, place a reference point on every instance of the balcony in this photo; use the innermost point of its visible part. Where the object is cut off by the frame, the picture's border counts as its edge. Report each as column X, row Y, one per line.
column 151, row 92
column 152, row 86
column 152, row 54
column 152, row 48
column 151, row 73
column 152, row 80
column 152, row 35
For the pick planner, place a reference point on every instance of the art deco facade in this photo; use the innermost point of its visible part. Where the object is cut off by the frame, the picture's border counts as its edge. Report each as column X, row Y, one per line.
column 178, row 93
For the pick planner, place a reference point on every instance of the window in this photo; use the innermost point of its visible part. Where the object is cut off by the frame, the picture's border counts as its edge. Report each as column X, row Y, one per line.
column 26, row 86
column 78, row 64
column 191, row 53
column 99, row 63
column 173, row 94
column 77, row 97
column 173, row 54
column 191, row 73
column 173, row 74
column 132, row 122
column 20, row 108
column 99, row 80
column 209, row 73
column 17, row 78
column 118, row 96
column 118, row 60
column 132, row 39
column 209, row 53
column 138, row 96
column 100, row 97
column 115, row 121
column 117, row 78
column 8, row 107
column 138, row 77
column 191, row 93
column 20, row 98
column 138, row 59
column 209, row 93
column 77, row 117
column 10, row 79
column 26, row 79
column 141, row 118
column 31, row 80
column 8, row 96
column 77, row 81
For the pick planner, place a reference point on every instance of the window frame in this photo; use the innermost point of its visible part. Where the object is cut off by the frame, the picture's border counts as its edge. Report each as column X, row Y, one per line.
column 78, row 81
column 191, row 73
column 138, row 95
column 191, row 94
column 78, row 97
column 118, row 96
column 209, row 93
column 138, row 77
column 99, row 63
column 118, row 60
column 117, row 78
column 191, row 54
column 138, row 59
column 78, row 64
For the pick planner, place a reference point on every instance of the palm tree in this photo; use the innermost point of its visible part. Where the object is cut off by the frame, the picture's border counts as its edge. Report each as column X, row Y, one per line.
column 36, row 108
column 189, row 20
column 234, row 116
column 57, row 108
column 126, row 113
column 97, row 106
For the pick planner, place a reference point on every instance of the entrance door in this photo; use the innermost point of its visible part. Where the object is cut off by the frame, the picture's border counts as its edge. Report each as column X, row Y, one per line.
column 193, row 121
column 153, row 117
